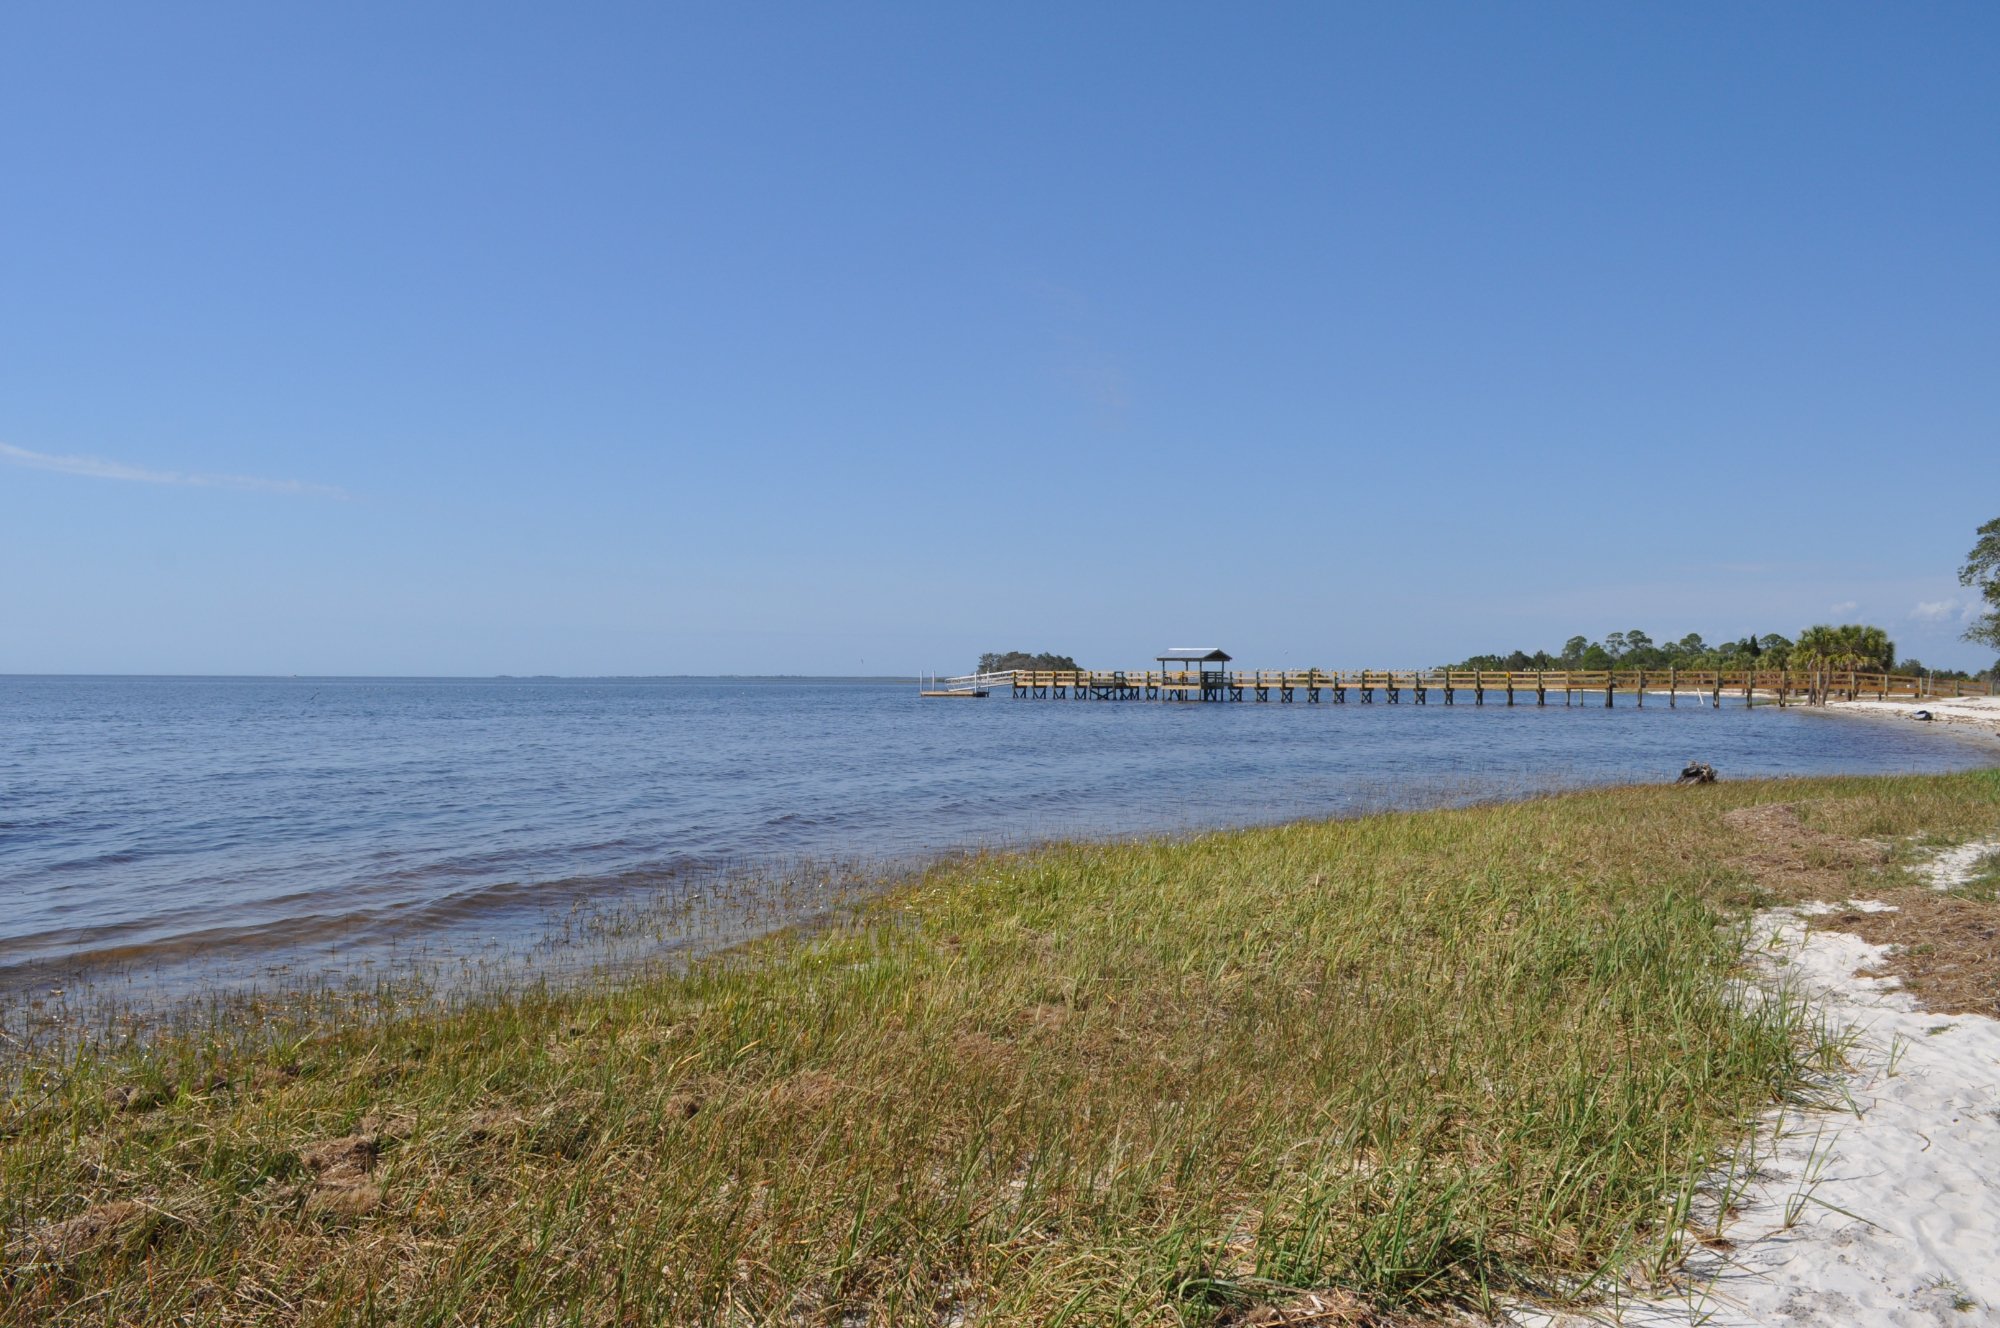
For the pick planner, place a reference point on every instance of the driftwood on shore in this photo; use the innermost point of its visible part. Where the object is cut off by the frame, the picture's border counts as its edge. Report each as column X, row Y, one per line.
column 1697, row 772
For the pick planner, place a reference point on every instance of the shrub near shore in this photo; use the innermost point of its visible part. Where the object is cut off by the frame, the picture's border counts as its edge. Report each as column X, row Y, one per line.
column 1429, row 1058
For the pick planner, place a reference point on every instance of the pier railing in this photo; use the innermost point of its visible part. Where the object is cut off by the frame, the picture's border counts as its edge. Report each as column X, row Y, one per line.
column 1476, row 685
column 979, row 682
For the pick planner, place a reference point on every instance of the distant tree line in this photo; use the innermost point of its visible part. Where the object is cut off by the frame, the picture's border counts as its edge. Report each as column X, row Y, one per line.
column 1851, row 646
column 1637, row 650
column 1848, row 646
column 1001, row 661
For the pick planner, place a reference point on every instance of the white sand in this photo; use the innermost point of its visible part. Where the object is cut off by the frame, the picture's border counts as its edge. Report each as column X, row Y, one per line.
column 1816, row 910
column 1915, row 1166
column 1978, row 713
column 1955, row 866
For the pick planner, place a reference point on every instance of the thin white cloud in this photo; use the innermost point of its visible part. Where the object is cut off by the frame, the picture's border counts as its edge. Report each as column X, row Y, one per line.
column 101, row 469
column 1934, row 610
column 1845, row 606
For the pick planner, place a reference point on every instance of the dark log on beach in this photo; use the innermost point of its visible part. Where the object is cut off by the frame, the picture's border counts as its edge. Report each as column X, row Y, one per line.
column 1697, row 772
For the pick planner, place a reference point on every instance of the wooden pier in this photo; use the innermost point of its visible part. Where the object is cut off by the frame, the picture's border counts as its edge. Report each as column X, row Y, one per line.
column 1480, row 686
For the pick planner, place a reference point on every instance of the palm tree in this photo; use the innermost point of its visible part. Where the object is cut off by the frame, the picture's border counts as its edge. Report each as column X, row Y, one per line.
column 1853, row 646
column 1870, row 647
column 1814, row 650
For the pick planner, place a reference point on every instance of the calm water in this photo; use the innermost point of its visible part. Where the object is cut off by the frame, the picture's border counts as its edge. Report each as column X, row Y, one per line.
column 147, row 820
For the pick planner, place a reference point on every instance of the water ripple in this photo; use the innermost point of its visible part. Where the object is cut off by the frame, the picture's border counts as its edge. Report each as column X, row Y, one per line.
column 160, row 816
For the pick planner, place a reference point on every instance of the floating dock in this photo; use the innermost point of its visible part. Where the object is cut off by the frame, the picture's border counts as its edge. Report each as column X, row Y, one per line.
column 971, row 687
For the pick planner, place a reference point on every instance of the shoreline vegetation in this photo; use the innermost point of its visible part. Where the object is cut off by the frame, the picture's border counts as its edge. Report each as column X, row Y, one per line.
column 1850, row 647
column 1420, row 1062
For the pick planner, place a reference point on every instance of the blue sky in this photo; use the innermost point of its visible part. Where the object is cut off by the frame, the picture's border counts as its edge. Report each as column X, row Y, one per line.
column 817, row 338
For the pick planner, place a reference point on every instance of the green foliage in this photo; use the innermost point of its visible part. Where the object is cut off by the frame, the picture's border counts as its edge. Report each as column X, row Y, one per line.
column 1848, row 646
column 1519, row 661
column 1982, row 569
column 1001, row 661
column 1946, row 675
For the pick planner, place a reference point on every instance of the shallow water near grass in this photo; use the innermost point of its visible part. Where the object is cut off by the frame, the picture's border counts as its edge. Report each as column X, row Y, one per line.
column 273, row 829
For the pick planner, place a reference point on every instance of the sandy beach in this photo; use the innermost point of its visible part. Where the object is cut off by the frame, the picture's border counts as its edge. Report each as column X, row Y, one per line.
column 1977, row 713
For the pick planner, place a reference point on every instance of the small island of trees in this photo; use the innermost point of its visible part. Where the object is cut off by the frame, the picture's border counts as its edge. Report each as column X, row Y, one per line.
column 1003, row 660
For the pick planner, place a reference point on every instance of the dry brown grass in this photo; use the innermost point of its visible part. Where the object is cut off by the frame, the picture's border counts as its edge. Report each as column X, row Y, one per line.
column 1794, row 861
column 1946, row 945
column 1947, row 948
column 1323, row 1309
column 52, row 1244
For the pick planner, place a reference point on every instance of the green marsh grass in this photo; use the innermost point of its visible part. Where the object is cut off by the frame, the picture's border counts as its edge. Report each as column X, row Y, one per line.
column 1433, row 1058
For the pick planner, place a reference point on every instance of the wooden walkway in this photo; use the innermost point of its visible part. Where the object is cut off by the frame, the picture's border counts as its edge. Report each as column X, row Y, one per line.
column 1477, row 687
